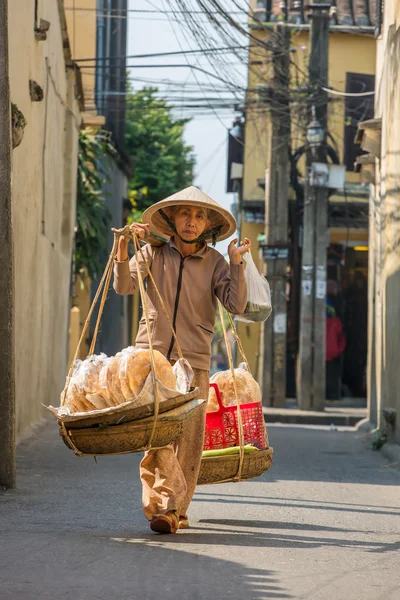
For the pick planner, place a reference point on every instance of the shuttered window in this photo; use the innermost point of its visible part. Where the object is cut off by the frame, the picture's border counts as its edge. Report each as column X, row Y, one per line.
column 357, row 109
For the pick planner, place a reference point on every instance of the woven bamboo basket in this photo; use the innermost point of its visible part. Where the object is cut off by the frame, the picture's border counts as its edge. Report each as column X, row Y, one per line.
column 130, row 437
column 221, row 469
column 126, row 415
column 110, row 433
column 241, row 466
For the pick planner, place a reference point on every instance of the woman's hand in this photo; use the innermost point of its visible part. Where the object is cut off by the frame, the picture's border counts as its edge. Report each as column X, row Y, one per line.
column 235, row 252
column 141, row 230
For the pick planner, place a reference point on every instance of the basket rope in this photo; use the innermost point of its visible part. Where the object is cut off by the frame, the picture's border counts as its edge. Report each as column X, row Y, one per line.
column 146, row 316
column 238, row 340
column 126, row 232
column 239, row 412
column 104, row 286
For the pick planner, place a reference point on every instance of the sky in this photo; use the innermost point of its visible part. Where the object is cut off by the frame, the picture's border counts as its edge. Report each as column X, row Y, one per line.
column 150, row 33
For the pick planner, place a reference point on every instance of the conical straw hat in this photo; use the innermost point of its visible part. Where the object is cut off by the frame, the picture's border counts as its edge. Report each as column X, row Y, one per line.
column 191, row 196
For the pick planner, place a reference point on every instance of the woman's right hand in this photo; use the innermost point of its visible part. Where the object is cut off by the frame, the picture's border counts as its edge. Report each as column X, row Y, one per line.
column 141, row 230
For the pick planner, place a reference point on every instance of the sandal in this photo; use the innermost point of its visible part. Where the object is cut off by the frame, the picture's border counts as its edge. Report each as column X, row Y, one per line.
column 183, row 522
column 167, row 523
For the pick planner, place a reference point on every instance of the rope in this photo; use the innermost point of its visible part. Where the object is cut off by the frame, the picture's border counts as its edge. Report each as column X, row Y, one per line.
column 241, row 350
column 238, row 341
column 127, row 233
column 109, row 267
column 103, row 301
column 143, row 294
column 105, row 281
column 164, row 308
column 239, row 412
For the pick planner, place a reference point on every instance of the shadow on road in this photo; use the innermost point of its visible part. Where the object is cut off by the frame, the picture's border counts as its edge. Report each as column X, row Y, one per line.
column 214, row 536
column 319, row 502
column 330, row 506
column 186, row 573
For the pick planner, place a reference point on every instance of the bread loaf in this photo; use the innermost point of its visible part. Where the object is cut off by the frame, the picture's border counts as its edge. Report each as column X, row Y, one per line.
column 101, row 382
column 247, row 388
column 136, row 366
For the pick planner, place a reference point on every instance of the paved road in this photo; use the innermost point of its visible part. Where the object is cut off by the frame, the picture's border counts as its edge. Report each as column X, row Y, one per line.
column 323, row 523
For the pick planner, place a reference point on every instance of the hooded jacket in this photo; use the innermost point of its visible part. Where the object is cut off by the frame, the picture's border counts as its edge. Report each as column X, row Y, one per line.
column 189, row 288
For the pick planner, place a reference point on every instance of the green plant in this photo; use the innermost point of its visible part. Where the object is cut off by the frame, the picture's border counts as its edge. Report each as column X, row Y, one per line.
column 163, row 163
column 92, row 215
column 379, row 438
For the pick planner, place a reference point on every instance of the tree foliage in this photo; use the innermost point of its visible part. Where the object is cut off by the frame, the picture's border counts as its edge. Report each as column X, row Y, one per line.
column 92, row 214
column 163, row 163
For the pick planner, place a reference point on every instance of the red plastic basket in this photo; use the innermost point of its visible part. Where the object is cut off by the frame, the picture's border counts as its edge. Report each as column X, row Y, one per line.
column 222, row 427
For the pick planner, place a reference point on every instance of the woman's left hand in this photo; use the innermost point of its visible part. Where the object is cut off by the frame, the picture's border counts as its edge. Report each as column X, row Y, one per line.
column 235, row 252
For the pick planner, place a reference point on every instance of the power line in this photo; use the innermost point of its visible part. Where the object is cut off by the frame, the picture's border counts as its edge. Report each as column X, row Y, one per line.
column 347, row 94
column 158, row 54
column 140, row 10
column 195, row 76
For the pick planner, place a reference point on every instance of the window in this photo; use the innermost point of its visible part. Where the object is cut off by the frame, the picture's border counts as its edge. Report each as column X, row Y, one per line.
column 357, row 109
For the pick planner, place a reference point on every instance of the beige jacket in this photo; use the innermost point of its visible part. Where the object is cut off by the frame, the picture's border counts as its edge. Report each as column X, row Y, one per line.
column 189, row 288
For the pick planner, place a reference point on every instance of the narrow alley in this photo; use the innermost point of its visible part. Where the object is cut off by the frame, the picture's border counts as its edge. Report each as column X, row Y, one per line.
column 322, row 523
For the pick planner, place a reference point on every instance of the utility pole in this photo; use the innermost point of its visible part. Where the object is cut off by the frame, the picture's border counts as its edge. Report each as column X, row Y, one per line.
column 276, row 250
column 311, row 367
column 7, row 395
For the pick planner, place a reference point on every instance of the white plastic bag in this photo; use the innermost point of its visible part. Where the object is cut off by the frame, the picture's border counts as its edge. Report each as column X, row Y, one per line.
column 258, row 306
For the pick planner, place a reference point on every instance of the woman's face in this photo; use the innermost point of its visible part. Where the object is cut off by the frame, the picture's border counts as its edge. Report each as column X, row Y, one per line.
column 190, row 222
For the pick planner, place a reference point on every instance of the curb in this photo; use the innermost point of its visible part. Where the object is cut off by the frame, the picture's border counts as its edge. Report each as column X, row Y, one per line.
column 307, row 418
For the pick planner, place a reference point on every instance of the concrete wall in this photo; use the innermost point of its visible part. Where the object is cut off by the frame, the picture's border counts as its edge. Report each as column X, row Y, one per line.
column 385, row 210
column 43, row 196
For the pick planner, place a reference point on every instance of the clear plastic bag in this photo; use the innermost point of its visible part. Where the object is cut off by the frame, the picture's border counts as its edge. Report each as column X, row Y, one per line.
column 84, row 390
column 100, row 382
column 247, row 388
column 258, row 306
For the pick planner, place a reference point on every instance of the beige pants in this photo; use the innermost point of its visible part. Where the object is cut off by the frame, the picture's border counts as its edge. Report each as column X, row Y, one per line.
column 169, row 475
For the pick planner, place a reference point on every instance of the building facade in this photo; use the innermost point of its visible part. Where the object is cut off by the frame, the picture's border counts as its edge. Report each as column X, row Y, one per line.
column 380, row 137
column 98, row 38
column 352, row 58
column 45, row 88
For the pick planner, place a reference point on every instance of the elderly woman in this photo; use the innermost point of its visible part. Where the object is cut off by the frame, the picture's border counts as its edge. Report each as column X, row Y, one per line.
column 190, row 277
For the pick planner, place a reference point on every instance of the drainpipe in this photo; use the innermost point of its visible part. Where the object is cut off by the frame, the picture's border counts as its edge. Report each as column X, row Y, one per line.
column 100, row 54
column 7, row 394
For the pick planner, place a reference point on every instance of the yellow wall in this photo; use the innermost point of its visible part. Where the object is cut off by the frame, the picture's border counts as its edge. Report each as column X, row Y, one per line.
column 347, row 53
column 43, row 197
column 384, row 264
column 82, row 36
column 258, row 127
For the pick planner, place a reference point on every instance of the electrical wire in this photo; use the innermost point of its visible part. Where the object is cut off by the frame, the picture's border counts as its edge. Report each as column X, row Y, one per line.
column 347, row 94
column 195, row 76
